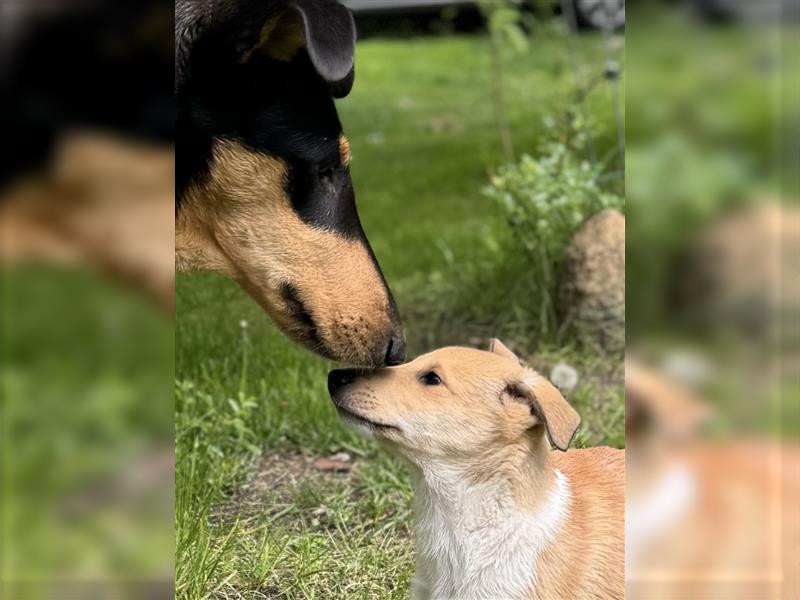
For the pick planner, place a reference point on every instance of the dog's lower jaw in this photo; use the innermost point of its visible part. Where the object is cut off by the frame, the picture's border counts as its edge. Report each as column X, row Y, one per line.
column 474, row 540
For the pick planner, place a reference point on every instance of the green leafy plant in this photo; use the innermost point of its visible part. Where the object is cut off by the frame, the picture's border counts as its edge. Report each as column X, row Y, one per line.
column 546, row 199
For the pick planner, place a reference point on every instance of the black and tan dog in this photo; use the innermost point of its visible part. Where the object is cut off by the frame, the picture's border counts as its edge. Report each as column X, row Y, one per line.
column 264, row 193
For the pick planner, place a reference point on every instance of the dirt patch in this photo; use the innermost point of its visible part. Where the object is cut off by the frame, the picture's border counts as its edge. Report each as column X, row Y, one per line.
column 277, row 480
column 287, row 470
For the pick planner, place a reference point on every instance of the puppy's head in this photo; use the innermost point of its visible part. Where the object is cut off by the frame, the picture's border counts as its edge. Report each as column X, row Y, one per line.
column 454, row 404
column 263, row 171
column 658, row 410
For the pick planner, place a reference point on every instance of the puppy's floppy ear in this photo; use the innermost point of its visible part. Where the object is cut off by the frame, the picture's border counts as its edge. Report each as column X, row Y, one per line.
column 559, row 418
column 653, row 402
column 499, row 348
column 327, row 31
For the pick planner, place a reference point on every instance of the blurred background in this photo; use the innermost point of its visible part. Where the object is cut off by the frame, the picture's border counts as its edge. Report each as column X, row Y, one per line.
column 713, row 468
column 87, row 288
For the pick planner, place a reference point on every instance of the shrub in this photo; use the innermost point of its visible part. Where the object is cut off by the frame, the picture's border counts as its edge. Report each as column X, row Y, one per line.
column 545, row 200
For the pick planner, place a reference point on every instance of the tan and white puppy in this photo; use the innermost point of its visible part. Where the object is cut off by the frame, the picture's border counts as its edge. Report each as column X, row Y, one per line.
column 705, row 518
column 497, row 514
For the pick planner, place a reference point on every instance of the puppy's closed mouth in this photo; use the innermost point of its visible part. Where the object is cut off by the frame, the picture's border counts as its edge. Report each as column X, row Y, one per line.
column 355, row 418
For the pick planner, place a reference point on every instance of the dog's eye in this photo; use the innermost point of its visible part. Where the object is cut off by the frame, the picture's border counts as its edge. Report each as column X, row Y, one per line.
column 430, row 378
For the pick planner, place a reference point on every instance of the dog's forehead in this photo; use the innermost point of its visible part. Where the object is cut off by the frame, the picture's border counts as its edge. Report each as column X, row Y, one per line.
column 457, row 358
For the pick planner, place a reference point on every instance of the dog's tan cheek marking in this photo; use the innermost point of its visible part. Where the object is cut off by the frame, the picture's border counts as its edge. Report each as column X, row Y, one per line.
column 221, row 210
column 344, row 150
column 252, row 220
column 196, row 248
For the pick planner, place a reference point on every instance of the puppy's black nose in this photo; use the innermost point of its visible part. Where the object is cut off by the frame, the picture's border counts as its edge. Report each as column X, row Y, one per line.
column 396, row 350
column 338, row 378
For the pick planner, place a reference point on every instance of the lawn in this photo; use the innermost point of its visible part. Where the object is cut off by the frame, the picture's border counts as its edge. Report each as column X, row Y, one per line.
column 254, row 518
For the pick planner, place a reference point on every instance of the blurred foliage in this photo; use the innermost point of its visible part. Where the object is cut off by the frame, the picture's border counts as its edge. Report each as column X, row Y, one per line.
column 548, row 194
column 504, row 20
column 711, row 135
column 704, row 131
column 670, row 210
column 87, row 370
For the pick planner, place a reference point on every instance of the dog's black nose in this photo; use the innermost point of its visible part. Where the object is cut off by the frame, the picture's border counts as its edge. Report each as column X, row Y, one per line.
column 396, row 350
column 338, row 378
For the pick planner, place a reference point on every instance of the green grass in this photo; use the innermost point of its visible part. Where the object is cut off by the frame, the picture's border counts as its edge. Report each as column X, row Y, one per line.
column 424, row 141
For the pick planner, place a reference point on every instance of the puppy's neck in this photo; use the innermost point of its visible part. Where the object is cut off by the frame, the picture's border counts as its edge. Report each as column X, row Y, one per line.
column 516, row 477
column 504, row 510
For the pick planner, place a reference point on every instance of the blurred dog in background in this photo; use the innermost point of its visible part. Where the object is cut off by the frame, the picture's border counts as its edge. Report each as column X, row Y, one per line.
column 704, row 519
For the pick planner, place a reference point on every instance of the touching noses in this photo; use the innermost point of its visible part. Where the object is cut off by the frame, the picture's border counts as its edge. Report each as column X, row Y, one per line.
column 396, row 348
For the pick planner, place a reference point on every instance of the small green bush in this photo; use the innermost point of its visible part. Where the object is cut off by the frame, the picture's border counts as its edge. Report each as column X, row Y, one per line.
column 545, row 201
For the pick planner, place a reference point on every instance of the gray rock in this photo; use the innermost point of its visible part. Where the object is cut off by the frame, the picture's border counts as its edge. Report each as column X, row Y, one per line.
column 591, row 287
column 743, row 271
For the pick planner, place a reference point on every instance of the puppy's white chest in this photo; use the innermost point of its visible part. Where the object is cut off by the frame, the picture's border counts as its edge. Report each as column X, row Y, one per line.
column 489, row 549
column 648, row 517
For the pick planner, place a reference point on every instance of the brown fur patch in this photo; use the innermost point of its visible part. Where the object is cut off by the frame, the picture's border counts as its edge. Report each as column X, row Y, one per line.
column 344, row 150
column 103, row 202
column 559, row 418
column 588, row 559
column 280, row 38
column 241, row 223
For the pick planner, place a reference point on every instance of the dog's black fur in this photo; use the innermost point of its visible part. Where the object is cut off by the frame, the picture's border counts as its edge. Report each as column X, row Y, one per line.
column 231, row 86
column 102, row 64
column 282, row 109
column 68, row 64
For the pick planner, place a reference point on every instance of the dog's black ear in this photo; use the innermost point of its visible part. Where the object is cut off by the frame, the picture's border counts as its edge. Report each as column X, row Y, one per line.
column 560, row 420
column 330, row 36
column 324, row 28
column 278, row 29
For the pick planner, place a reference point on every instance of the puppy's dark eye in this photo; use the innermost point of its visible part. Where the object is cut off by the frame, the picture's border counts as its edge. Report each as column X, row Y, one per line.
column 430, row 378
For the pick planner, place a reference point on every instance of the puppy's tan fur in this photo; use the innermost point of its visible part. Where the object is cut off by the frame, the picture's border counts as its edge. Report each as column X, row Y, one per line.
column 706, row 518
column 497, row 513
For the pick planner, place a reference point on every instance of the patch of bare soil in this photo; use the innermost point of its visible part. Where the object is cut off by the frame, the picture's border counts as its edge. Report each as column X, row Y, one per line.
column 278, row 477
